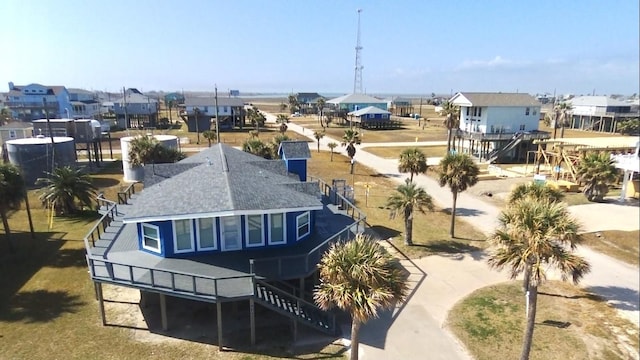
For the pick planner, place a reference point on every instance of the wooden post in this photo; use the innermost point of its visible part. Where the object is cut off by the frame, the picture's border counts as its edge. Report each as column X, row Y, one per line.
column 301, row 288
column 219, row 318
column 101, row 303
column 295, row 331
column 163, row 312
column 252, row 319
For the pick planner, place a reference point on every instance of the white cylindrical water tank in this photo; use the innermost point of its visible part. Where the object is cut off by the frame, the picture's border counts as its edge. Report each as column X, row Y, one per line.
column 136, row 173
column 34, row 156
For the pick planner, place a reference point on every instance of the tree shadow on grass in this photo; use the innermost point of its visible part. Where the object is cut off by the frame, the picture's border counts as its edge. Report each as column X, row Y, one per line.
column 464, row 212
column 68, row 258
column 112, row 168
column 40, row 306
column 449, row 247
column 383, row 232
column 104, row 182
column 619, row 297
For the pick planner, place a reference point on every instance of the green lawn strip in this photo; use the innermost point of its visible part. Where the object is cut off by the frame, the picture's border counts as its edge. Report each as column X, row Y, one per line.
column 394, row 152
column 570, row 324
column 622, row 245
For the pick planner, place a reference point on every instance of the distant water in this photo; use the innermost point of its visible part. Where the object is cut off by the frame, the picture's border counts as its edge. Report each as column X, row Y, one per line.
column 329, row 95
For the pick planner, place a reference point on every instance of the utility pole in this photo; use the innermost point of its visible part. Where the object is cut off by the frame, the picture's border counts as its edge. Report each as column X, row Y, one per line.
column 217, row 118
column 195, row 115
column 53, row 147
column 126, row 122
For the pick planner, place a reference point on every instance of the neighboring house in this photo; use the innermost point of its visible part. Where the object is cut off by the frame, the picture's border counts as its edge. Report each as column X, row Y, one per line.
column 222, row 226
column 15, row 130
column 308, row 102
column 353, row 102
column 399, row 106
column 84, row 104
column 173, row 98
column 599, row 113
column 371, row 117
column 29, row 102
column 497, row 126
column 136, row 110
column 230, row 111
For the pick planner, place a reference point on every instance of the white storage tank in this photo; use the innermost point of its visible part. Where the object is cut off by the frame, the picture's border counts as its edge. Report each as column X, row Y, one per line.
column 137, row 173
column 33, row 155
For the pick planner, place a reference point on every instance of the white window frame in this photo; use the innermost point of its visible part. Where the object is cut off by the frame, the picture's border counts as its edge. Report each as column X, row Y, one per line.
column 151, row 248
column 284, row 229
column 13, row 134
column 298, row 225
column 215, row 235
column 246, row 231
column 175, row 238
column 223, row 231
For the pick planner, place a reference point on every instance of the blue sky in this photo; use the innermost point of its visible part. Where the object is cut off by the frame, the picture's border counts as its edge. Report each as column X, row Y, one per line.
column 410, row 47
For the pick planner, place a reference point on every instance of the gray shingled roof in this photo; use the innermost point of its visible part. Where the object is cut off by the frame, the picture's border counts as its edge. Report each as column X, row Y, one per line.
column 294, row 150
column 222, row 181
column 497, row 99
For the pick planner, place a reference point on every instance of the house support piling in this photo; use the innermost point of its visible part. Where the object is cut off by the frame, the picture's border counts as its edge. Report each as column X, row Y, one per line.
column 163, row 312
column 252, row 320
column 219, row 318
column 101, row 303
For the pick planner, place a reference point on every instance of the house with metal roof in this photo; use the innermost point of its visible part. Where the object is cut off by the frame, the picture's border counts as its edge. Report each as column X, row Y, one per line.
column 371, row 117
column 353, row 102
column 497, row 126
column 29, row 102
column 230, row 111
column 599, row 113
column 223, row 226
column 136, row 110
column 84, row 104
column 399, row 106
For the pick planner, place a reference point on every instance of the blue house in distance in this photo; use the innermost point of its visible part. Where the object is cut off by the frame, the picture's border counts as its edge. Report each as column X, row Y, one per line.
column 223, row 226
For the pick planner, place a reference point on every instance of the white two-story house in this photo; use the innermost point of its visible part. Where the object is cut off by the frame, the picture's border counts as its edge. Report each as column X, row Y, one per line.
column 497, row 126
column 230, row 112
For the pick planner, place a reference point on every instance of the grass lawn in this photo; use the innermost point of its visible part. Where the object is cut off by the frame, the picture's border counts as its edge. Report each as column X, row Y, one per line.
column 393, row 152
column 430, row 230
column 622, row 245
column 570, row 324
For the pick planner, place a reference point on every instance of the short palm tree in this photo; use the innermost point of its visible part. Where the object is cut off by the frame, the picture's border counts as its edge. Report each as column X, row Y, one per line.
column 209, row 135
column 318, row 135
column 451, row 113
column 412, row 160
column 408, row 199
column 63, row 187
column 320, row 106
column 12, row 192
column 458, row 172
column 331, row 147
column 596, row 170
column 533, row 236
column 535, row 190
column 257, row 147
column 275, row 144
column 141, row 150
column 350, row 137
column 360, row 277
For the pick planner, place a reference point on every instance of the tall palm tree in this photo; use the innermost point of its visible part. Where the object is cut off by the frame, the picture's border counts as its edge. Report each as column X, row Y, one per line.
column 318, row 135
column 282, row 119
column 596, row 170
column 293, row 103
column 350, row 136
column 535, row 190
column 533, row 236
column 12, row 192
column 412, row 160
column 451, row 121
column 360, row 277
column 63, row 187
column 320, row 106
column 331, row 147
column 558, row 118
column 458, row 172
column 565, row 115
column 408, row 199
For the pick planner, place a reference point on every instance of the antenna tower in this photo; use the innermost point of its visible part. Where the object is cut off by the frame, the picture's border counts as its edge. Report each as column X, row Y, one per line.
column 357, row 81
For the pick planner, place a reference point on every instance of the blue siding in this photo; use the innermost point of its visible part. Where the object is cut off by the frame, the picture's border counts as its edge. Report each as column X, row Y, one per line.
column 166, row 235
column 298, row 167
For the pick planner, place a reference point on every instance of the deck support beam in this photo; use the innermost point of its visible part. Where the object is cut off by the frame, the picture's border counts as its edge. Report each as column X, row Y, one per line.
column 163, row 312
column 219, row 318
column 252, row 320
column 295, row 330
column 301, row 288
column 101, row 302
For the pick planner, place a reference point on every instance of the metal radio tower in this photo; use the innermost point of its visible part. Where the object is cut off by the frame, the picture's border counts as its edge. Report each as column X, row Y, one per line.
column 357, row 81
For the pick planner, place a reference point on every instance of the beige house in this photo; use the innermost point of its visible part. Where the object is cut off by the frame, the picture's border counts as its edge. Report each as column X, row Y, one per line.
column 15, row 130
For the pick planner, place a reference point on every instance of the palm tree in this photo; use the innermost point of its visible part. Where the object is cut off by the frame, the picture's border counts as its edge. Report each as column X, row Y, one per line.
column 452, row 120
column 318, row 135
column 596, row 170
column 209, row 135
column 275, row 144
column 293, row 103
column 12, row 191
column 412, row 160
column 257, row 147
column 63, row 187
column 350, row 136
column 629, row 127
column 565, row 114
column 332, row 146
column 5, row 115
column 282, row 119
column 533, row 236
column 407, row 199
column 361, row 278
column 535, row 190
column 147, row 149
column 320, row 106
column 458, row 172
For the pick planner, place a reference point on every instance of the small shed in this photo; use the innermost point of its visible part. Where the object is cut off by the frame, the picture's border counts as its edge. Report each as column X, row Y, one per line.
column 295, row 155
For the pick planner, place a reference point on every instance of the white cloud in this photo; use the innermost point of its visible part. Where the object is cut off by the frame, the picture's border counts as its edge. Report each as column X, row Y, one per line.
column 496, row 63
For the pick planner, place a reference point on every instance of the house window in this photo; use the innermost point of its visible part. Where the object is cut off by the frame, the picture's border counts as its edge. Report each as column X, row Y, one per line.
column 151, row 237
column 207, row 234
column 226, row 109
column 12, row 134
column 475, row 111
column 302, row 225
column 526, row 112
column 522, row 127
column 206, row 109
column 479, row 111
column 230, row 233
column 467, row 111
column 182, row 236
column 535, row 111
column 277, row 229
column 255, row 235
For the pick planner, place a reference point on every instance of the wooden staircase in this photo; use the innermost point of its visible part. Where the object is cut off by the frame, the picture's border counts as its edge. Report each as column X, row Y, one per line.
column 294, row 307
